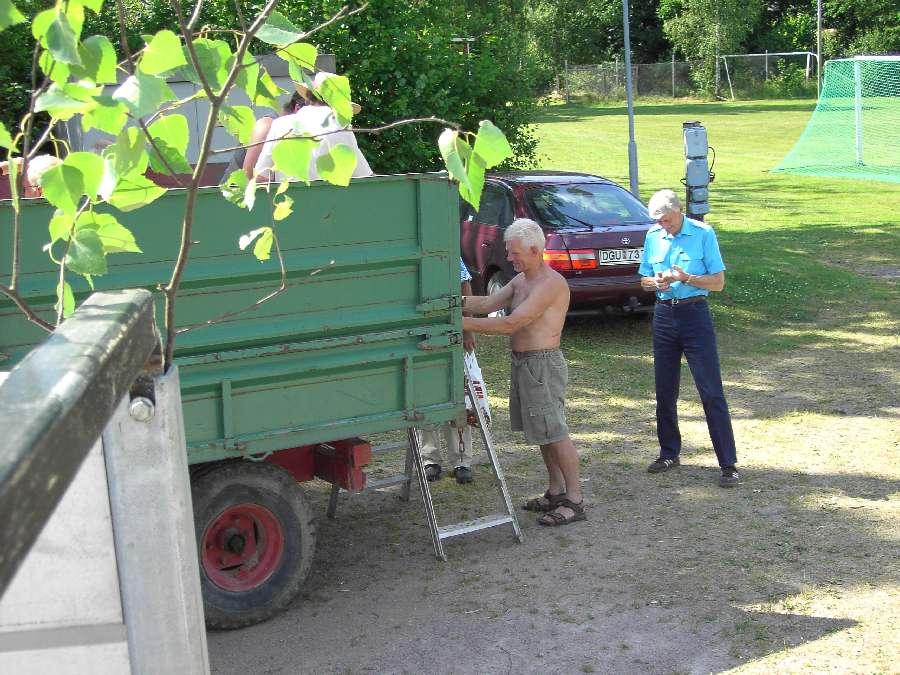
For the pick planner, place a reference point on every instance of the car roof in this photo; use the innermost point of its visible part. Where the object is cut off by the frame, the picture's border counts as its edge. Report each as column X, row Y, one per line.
column 547, row 177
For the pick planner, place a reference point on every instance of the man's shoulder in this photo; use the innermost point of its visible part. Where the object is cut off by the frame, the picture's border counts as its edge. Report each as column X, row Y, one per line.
column 699, row 225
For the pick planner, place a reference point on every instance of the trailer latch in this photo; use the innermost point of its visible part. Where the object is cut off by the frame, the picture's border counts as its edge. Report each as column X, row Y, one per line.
column 439, row 341
column 436, row 305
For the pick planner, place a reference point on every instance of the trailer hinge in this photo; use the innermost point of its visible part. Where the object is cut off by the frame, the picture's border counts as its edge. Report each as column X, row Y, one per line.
column 437, row 304
column 439, row 341
column 414, row 416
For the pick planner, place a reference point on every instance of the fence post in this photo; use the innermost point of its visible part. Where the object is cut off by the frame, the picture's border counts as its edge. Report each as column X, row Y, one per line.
column 767, row 65
column 566, row 77
column 673, row 73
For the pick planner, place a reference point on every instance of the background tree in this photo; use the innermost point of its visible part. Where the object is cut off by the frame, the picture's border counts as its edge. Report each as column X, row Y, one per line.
column 704, row 29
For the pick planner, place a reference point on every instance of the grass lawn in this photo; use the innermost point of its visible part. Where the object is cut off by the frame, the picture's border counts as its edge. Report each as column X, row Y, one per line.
column 804, row 554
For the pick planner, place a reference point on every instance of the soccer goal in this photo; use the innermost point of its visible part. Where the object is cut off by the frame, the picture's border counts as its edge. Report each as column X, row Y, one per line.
column 749, row 72
column 854, row 131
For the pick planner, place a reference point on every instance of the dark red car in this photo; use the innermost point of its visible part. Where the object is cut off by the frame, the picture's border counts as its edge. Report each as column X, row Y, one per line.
column 595, row 233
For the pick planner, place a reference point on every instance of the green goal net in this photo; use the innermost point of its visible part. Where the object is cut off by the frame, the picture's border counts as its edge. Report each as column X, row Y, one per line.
column 854, row 131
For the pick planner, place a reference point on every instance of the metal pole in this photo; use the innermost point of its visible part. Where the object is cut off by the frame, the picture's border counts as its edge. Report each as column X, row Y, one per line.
column 632, row 146
column 818, row 47
column 673, row 73
column 566, row 77
column 857, row 110
column 767, row 65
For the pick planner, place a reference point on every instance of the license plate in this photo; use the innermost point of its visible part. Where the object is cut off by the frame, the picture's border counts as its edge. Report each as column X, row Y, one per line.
column 619, row 256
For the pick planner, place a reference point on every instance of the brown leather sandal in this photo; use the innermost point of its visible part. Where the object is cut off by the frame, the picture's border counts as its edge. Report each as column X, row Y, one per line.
column 555, row 518
column 546, row 502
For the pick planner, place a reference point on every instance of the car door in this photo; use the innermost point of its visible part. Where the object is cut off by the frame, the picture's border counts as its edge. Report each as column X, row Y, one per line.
column 481, row 234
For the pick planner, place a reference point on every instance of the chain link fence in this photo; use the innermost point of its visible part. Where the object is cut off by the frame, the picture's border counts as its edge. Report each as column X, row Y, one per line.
column 741, row 76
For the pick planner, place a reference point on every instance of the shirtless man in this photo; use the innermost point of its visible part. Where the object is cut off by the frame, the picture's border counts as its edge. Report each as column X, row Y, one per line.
column 539, row 298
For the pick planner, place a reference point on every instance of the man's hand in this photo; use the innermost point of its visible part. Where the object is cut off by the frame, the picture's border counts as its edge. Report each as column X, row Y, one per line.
column 678, row 274
column 662, row 280
column 469, row 341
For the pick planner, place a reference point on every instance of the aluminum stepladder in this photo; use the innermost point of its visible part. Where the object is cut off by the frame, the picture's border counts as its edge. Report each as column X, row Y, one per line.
column 438, row 534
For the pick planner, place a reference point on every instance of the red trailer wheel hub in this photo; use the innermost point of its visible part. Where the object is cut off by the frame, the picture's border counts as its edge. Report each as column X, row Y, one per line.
column 242, row 547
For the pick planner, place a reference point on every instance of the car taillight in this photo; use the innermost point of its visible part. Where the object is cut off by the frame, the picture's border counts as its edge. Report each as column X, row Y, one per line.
column 576, row 259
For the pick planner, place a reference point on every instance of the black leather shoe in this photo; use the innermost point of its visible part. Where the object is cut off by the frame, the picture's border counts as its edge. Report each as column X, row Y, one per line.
column 730, row 477
column 432, row 472
column 463, row 474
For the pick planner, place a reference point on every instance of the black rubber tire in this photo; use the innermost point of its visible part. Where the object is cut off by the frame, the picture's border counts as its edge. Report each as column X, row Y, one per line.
column 494, row 283
column 273, row 488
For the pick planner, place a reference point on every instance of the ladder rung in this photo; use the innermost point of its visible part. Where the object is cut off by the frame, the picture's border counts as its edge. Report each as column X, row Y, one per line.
column 387, row 447
column 386, row 482
column 474, row 525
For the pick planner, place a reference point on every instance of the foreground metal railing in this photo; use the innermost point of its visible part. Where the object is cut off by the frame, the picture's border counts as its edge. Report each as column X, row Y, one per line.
column 55, row 404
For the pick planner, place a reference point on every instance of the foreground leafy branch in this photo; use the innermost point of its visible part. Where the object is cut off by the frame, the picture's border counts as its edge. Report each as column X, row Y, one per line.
column 142, row 117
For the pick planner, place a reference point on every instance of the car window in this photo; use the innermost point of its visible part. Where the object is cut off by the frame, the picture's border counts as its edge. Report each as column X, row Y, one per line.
column 585, row 205
column 495, row 208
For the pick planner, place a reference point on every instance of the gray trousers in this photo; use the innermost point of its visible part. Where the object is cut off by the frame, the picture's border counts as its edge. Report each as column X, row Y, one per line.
column 458, row 442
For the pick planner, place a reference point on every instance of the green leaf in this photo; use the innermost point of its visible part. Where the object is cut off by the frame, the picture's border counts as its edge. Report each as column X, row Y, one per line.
column 264, row 238
column 337, row 165
column 108, row 115
column 283, row 208
column 91, row 167
column 263, row 247
column 63, row 186
column 162, row 53
column 115, row 237
column 128, row 152
column 135, row 191
column 491, row 145
column 335, row 91
column 214, row 57
column 93, row 5
column 291, row 157
column 54, row 70
column 301, row 54
column 40, row 25
column 6, row 140
column 452, row 147
column 475, row 171
column 247, row 76
column 9, row 15
column 238, row 120
column 233, row 187
column 267, row 92
column 60, row 226
column 62, row 102
column 66, row 298
column 62, row 41
column 171, row 136
column 98, row 60
column 143, row 94
column 86, row 254
column 278, row 30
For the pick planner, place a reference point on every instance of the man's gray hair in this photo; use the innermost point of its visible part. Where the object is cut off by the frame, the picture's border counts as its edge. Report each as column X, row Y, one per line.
column 663, row 202
column 527, row 231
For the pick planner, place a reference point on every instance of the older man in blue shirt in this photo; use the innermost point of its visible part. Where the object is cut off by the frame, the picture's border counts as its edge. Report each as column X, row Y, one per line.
column 682, row 263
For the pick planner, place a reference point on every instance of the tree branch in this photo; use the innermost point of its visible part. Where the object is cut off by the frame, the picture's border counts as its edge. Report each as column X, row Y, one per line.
column 29, row 313
column 123, row 37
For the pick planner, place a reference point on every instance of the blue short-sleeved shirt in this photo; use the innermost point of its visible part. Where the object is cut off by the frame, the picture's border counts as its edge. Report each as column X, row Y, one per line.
column 694, row 249
column 463, row 272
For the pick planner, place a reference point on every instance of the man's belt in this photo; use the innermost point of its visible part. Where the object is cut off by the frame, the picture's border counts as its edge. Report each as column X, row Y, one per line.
column 682, row 301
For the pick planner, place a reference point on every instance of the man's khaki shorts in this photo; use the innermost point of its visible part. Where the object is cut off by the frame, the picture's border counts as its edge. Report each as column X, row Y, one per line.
column 537, row 395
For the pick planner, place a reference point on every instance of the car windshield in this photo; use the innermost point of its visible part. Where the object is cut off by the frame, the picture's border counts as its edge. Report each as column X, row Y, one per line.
column 585, row 205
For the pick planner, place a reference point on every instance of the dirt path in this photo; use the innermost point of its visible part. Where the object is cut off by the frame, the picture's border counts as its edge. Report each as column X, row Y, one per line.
column 793, row 571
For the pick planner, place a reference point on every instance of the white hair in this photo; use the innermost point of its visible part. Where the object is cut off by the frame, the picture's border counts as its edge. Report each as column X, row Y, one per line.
column 527, row 231
column 663, row 202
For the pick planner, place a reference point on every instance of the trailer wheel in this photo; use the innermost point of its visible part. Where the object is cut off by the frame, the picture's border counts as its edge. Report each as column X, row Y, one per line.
column 255, row 538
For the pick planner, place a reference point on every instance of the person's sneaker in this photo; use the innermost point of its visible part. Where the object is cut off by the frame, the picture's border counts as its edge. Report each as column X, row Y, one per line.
column 660, row 465
column 730, row 477
column 432, row 472
column 463, row 474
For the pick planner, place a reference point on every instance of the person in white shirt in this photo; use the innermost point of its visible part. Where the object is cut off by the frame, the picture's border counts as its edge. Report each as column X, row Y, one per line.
column 315, row 118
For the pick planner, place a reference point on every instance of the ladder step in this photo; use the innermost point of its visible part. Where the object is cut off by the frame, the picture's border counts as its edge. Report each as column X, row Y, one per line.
column 386, row 482
column 474, row 525
column 388, row 447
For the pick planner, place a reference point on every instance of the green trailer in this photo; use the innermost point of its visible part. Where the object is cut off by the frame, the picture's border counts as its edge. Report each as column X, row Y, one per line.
column 365, row 338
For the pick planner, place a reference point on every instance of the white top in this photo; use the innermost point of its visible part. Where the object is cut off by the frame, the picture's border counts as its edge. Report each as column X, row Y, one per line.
column 310, row 120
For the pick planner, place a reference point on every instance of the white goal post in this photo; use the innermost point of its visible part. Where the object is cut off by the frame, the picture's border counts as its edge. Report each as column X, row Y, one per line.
column 811, row 60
